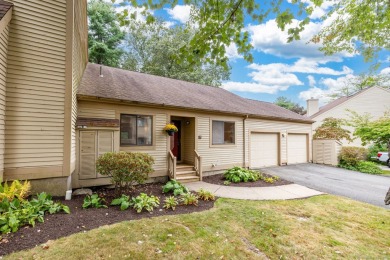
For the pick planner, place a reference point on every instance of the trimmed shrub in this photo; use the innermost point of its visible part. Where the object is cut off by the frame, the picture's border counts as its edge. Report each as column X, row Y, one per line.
column 368, row 167
column 239, row 174
column 125, row 169
column 350, row 156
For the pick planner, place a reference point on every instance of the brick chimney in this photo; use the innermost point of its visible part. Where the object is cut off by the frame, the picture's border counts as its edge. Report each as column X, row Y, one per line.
column 312, row 106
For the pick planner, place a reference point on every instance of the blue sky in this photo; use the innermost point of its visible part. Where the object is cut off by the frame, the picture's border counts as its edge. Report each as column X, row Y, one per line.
column 296, row 70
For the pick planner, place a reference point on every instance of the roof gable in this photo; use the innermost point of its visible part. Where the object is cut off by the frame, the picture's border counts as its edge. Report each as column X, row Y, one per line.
column 340, row 101
column 143, row 88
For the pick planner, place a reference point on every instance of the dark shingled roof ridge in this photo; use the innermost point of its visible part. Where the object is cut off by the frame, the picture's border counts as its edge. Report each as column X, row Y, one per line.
column 124, row 85
column 4, row 7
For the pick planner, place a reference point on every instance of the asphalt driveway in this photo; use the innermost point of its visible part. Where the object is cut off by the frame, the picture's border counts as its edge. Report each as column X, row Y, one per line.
column 355, row 185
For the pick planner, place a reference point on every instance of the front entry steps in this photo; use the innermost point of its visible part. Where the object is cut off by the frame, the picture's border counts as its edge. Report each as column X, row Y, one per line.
column 186, row 173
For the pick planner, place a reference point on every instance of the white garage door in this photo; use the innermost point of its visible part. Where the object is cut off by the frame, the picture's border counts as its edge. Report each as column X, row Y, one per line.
column 296, row 148
column 264, row 149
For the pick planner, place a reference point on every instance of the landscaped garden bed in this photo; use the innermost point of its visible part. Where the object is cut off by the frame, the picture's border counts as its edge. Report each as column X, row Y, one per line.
column 245, row 178
column 80, row 220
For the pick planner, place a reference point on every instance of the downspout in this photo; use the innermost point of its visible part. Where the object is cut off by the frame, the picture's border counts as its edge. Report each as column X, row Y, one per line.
column 244, row 138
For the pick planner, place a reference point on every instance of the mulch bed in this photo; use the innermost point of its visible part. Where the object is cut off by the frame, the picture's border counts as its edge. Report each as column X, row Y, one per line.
column 80, row 220
column 219, row 180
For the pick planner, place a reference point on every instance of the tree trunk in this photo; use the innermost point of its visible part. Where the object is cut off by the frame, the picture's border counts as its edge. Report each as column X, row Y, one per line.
column 387, row 198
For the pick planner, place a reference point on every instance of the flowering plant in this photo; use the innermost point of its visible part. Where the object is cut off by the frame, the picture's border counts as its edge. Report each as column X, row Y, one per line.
column 170, row 127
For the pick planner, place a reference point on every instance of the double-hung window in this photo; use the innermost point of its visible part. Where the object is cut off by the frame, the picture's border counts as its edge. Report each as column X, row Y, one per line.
column 136, row 130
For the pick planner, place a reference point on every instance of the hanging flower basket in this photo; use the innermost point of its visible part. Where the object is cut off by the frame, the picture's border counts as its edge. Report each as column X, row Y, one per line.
column 170, row 129
column 170, row 132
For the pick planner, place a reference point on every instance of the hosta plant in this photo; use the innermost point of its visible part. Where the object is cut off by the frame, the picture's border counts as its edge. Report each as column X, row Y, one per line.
column 189, row 199
column 123, row 202
column 239, row 174
column 205, row 195
column 17, row 190
column 176, row 187
column 17, row 213
column 93, row 201
column 144, row 201
column 171, row 203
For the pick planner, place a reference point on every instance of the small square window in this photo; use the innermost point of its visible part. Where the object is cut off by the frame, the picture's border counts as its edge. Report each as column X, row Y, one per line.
column 223, row 132
column 136, row 130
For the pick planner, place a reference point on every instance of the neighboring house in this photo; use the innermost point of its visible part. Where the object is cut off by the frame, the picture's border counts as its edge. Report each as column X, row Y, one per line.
column 43, row 55
column 374, row 101
column 120, row 110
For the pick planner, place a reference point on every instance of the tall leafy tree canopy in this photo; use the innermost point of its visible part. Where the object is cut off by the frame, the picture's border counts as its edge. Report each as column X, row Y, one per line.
column 105, row 35
column 154, row 48
column 358, row 26
column 290, row 105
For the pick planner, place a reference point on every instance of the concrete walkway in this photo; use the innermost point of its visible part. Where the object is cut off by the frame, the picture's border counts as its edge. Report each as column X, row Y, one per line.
column 283, row 192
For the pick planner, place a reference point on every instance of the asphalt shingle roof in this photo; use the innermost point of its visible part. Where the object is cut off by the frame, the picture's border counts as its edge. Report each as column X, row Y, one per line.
column 143, row 88
column 4, row 7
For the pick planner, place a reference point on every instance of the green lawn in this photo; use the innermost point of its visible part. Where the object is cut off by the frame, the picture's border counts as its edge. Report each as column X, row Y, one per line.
column 386, row 173
column 322, row 227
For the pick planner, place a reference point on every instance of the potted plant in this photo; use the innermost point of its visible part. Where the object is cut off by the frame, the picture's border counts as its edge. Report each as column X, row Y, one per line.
column 170, row 129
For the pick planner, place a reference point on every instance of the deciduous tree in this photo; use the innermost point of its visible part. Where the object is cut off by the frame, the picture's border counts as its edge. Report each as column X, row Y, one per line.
column 358, row 26
column 154, row 48
column 290, row 105
column 332, row 128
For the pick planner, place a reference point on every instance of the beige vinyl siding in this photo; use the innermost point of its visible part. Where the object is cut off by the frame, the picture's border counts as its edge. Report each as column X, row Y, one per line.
column 188, row 140
column 260, row 125
column 79, row 61
column 3, row 73
column 219, row 155
column 96, row 113
column 159, row 148
column 34, row 130
column 214, row 157
column 374, row 101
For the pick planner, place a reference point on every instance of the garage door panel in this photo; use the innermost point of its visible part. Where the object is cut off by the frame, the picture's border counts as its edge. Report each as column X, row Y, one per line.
column 296, row 148
column 264, row 149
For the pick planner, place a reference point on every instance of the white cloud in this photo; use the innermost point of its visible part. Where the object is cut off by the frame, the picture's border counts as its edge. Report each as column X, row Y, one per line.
column 386, row 60
column 303, row 65
column 274, row 77
column 329, row 86
column 312, row 81
column 232, row 53
column 180, row 13
column 385, row 71
column 268, row 38
column 253, row 87
column 265, row 79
